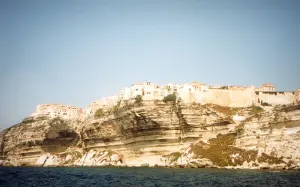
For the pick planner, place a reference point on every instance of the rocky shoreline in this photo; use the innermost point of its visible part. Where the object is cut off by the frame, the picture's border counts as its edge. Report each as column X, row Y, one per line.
column 160, row 135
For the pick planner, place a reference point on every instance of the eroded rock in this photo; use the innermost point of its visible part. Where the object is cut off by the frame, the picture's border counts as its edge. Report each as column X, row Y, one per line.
column 159, row 134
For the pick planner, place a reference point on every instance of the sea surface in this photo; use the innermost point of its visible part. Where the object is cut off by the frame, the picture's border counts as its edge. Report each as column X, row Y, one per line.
column 84, row 176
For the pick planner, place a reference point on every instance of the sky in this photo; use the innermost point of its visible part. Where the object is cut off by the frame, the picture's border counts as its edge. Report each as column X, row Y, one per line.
column 74, row 52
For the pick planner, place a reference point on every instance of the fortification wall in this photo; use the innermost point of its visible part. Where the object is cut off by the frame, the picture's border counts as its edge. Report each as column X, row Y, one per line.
column 297, row 96
column 187, row 96
column 275, row 98
column 231, row 98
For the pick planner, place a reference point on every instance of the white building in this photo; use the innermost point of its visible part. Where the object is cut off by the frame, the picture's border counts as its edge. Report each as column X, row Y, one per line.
column 58, row 110
column 137, row 89
column 266, row 88
column 200, row 86
column 170, row 88
column 148, row 90
column 125, row 94
column 106, row 102
column 186, row 93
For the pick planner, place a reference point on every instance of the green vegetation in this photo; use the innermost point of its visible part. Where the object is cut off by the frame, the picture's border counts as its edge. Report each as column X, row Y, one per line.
column 139, row 100
column 224, row 88
column 290, row 108
column 170, row 97
column 145, row 165
column 270, row 159
column 59, row 137
column 32, row 119
column 99, row 113
column 220, row 151
column 116, row 108
column 265, row 104
column 179, row 100
column 28, row 120
column 222, row 109
column 110, row 152
column 255, row 110
column 173, row 157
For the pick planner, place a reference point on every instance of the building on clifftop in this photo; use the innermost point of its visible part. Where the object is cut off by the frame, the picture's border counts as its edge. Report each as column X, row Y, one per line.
column 266, row 88
column 59, row 110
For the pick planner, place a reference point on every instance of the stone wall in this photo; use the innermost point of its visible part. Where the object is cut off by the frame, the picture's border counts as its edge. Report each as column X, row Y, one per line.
column 232, row 98
column 224, row 97
column 275, row 98
column 297, row 96
column 243, row 97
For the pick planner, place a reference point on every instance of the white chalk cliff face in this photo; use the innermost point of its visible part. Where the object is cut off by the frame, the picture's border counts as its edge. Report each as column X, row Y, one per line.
column 159, row 134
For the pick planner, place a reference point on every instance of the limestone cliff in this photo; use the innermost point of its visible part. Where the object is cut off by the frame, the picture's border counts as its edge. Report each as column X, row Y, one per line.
column 159, row 134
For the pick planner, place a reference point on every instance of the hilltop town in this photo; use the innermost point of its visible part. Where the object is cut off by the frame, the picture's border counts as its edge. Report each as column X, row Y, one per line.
column 231, row 96
column 189, row 125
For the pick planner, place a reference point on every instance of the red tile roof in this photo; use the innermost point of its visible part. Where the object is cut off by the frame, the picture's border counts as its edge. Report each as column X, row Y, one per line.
column 267, row 85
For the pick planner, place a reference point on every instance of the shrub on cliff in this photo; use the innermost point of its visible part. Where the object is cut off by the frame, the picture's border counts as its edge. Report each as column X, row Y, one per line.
column 138, row 99
column 116, row 107
column 99, row 113
column 170, row 97
column 265, row 104
column 256, row 110
column 224, row 88
column 290, row 108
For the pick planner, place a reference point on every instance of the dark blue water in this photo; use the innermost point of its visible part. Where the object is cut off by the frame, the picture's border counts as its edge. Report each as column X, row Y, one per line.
column 144, row 177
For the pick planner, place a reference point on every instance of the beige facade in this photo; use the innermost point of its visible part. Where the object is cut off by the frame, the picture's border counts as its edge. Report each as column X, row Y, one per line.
column 125, row 94
column 58, row 110
column 106, row 102
column 137, row 89
column 232, row 96
column 297, row 96
column 193, row 92
column 200, row 86
column 148, row 90
column 187, row 93
column 266, row 88
column 170, row 88
column 274, row 98
column 151, row 91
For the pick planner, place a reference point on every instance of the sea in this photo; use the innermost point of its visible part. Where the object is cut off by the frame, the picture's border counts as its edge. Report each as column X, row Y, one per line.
column 90, row 176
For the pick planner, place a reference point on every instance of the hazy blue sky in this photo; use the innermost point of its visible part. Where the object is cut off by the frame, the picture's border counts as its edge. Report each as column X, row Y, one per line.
column 74, row 52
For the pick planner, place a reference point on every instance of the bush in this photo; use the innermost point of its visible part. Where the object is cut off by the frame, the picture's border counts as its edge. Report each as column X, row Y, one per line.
column 115, row 109
column 256, row 110
column 265, row 104
column 138, row 99
column 290, row 108
column 99, row 113
column 170, row 97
